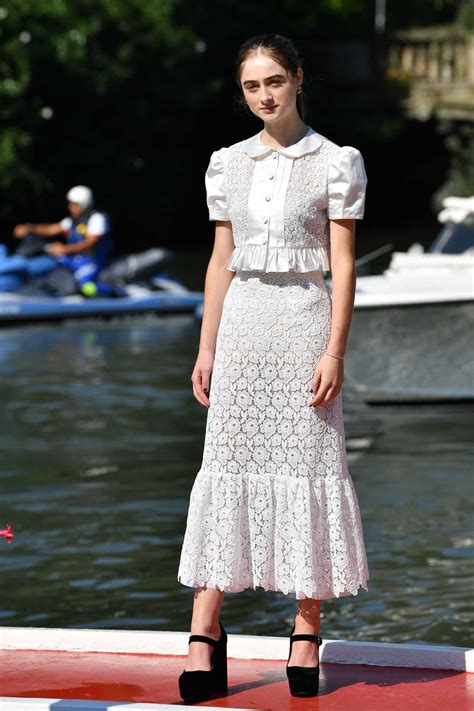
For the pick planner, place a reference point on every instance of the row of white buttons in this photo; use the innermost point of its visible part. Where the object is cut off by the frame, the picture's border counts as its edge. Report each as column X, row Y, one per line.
column 270, row 177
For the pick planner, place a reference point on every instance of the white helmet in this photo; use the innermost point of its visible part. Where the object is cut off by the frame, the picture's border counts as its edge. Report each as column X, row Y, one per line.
column 81, row 195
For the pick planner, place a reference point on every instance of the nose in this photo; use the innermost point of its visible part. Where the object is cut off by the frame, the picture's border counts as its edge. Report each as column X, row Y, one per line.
column 266, row 95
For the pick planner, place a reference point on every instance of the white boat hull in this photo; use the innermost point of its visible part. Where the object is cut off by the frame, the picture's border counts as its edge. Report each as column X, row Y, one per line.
column 412, row 352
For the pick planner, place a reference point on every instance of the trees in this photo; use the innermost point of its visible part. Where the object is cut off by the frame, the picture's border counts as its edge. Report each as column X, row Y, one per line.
column 87, row 92
column 130, row 96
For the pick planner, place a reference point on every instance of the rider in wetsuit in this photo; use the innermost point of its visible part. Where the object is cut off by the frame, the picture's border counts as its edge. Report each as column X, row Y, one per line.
column 87, row 245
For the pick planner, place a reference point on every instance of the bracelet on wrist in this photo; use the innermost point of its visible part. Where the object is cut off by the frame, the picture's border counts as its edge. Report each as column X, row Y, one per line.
column 335, row 356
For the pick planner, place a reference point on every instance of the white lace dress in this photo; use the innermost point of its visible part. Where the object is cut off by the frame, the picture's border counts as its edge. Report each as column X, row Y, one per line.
column 273, row 504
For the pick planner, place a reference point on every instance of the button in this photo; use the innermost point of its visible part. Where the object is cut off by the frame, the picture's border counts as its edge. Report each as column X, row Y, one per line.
column 265, row 220
column 267, row 198
column 275, row 155
column 270, row 177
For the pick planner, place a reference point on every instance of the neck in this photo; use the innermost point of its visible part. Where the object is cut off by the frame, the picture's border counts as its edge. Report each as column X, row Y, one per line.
column 284, row 133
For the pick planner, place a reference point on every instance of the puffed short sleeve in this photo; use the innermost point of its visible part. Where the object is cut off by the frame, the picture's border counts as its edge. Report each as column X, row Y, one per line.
column 347, row 182
column 216, row 199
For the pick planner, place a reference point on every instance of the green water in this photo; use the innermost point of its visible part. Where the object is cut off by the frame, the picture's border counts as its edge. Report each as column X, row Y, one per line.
column 101, row 440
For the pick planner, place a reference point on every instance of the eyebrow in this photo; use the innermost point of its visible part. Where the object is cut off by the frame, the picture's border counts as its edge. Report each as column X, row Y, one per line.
column 253, row 81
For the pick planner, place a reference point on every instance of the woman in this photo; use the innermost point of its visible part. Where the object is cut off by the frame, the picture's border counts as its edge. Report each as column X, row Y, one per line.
column 273, row 505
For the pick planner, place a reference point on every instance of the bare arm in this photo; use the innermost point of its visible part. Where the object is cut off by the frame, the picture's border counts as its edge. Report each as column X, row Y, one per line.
column 49, row 230
column 329, row 373
column 216, row 284
column 343, row 272
column 76, row 247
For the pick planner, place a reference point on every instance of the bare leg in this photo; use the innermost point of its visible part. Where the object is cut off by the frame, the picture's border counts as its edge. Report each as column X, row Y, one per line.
column 307, row 621
column 205, row 620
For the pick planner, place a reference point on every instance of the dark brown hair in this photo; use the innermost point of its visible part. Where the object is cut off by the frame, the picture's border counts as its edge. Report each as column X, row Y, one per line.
column 282, row 50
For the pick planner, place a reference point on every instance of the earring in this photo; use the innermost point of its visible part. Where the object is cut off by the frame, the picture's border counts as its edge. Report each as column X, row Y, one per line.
column 299, row 90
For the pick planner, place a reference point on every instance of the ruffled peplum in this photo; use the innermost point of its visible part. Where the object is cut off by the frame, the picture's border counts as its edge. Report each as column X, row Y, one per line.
column 278, row 259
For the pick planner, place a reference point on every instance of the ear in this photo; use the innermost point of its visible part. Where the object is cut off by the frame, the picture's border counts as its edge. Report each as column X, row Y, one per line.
column 299, row 77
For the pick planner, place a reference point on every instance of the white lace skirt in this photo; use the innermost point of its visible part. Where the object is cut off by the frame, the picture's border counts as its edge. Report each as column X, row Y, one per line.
column 273, row 505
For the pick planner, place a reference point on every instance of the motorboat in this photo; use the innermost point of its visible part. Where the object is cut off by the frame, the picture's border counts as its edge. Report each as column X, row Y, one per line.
column 411, row 336
column 34, row 289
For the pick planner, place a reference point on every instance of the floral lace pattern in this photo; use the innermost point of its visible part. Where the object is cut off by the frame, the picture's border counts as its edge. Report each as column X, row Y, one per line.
column 273, row 504
column 306, row 220
column 237, row 181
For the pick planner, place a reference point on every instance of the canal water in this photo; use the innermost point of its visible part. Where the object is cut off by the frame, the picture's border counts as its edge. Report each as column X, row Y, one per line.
column 101, row 439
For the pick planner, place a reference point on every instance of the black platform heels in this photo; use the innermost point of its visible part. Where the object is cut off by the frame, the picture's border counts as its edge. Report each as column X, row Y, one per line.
column 199, row 685
column 303, row 681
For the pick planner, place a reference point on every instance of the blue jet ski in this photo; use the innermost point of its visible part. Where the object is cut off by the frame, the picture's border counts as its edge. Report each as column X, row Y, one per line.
column 34, row 288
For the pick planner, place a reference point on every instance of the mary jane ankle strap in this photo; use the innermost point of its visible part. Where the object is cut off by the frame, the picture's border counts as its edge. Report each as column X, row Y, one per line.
column 309, row 637
column 202, row 638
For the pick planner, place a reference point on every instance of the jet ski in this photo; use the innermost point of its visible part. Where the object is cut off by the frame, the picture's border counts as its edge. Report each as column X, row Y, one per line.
column 34, row 288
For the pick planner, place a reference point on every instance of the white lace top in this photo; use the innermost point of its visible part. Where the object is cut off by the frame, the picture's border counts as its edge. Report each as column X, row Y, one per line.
column 280, row 201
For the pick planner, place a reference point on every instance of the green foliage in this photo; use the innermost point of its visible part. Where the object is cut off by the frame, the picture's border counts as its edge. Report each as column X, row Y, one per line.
column 129, row 96
column 465, row 16
column 460, row 176
column 420, row 13
column 70, row 72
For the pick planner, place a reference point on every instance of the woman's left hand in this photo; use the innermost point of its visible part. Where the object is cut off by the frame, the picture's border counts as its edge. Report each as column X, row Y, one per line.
column 327, row 380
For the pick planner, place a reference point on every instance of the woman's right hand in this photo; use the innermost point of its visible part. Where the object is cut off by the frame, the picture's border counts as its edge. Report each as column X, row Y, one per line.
column 201, row 377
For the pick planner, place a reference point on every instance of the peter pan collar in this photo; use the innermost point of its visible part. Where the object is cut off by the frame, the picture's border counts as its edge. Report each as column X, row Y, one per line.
column 254, row 147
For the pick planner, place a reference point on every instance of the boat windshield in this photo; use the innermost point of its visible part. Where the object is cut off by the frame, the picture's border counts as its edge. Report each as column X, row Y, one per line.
column 455, row 238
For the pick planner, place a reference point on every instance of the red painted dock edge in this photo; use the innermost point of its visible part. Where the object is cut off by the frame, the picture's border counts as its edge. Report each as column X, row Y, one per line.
column 142, row 667
column 253, row 684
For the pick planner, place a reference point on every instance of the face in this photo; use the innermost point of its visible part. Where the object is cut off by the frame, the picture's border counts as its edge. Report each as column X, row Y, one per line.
column 75, row 210
column 268, row 89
